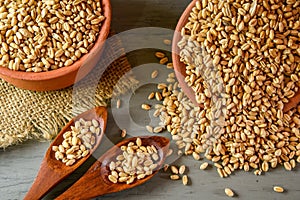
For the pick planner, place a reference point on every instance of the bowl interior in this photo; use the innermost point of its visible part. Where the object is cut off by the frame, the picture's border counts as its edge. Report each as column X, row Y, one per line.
column 33, row 76
column 180, row 67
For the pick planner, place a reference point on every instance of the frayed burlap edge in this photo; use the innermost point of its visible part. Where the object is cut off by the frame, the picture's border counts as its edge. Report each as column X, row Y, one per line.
column 27, row 115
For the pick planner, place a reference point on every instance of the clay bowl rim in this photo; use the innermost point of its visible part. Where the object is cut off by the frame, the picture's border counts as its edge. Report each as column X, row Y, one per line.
column 179, row 67
column 40, row 76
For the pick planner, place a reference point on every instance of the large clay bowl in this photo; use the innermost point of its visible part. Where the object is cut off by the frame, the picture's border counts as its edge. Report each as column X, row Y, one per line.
column 65, row 76
column 180, row 67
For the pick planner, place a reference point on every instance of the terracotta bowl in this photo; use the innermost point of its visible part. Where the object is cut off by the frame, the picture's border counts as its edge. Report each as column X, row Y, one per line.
column 65, row 76
column 179, row 67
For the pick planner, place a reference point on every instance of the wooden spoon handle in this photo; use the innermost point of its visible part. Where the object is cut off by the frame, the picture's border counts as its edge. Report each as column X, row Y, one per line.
column 88, row 186
column 40, row 187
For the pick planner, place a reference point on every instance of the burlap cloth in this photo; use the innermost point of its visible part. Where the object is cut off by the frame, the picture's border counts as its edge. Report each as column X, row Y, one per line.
column 26, row 115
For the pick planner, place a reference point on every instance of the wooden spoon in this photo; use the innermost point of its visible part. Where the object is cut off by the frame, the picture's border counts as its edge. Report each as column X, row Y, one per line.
column 180, row 67
column 53, row 171
column 95, row 181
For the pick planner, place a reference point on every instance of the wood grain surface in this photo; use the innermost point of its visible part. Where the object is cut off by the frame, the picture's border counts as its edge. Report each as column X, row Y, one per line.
column 19, row 165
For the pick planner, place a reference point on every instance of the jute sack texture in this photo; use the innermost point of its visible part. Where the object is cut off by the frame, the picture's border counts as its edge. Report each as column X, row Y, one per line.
column 26, row 115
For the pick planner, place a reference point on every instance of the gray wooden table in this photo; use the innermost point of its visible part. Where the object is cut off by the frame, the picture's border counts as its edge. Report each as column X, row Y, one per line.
column 19, row 164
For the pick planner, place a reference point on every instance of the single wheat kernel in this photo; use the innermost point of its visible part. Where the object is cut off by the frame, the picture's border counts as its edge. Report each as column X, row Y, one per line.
column 179, row 152
column 146, row 106
column 141, row 176
column 185, row 179
column 196, row 156
column 204, row 165
column 112, row 179
column 149, row 129
column 220, row 172
column 170, row 66
column 138, row 142
column 118, row 103
column 158, row 96
column 163, row 60
column 154, row 74
column 130, row 180
column 166, row 167
column 167, row 42
column 158, row 129
column 278, row 189
column 170, row 152
column 182, row 169
column 70, row 162
column 55, row 148
column 287, row 166
column 160, row 54
column 155, row 157
column 123, row 133
column 151, row 95
column 174, row 169
column 229, row 192
column 174, row 177
column 217, row 165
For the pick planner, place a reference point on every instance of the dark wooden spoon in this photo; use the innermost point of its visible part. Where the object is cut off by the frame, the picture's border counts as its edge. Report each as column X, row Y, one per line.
column 95, row 181
column 53, row 171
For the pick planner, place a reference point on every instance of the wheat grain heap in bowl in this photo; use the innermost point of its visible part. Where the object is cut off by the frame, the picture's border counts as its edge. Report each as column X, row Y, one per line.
column 44, row 43
column 240, row 60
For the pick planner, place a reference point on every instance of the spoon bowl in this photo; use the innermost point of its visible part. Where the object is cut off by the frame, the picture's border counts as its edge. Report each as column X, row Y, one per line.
column 95, row 181
column 53, row 171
